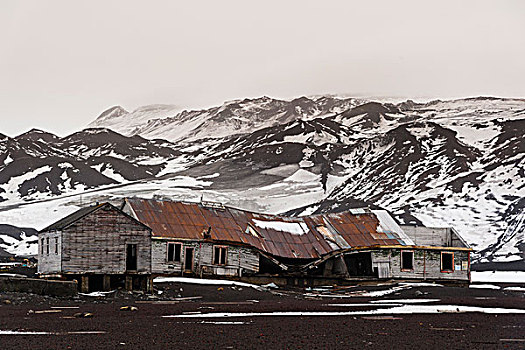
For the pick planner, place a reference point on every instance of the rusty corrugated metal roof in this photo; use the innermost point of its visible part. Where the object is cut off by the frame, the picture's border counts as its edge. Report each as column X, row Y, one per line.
column 307, row 237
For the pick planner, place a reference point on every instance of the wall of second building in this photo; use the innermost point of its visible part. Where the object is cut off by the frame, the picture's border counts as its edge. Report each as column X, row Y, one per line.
column 239, row 260
column 159, row 257
column 97, row 244
column 429, row 236
column 434, row 236
column 426, row 264
column 49, row 252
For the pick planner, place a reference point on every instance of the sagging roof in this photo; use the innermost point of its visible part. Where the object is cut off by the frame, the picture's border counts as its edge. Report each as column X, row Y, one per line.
column 82, row 212
column 290, row 237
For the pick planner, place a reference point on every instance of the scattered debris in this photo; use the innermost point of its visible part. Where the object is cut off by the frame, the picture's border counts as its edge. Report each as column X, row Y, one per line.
column 271, row 286
column 129, row 308
column 47, row 311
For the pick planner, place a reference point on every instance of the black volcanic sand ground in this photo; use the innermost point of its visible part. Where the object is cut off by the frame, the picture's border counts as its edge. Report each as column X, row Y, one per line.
column 146, row 329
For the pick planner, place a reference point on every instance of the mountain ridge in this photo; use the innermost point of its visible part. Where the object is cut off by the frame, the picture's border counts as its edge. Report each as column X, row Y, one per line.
column 454, row 163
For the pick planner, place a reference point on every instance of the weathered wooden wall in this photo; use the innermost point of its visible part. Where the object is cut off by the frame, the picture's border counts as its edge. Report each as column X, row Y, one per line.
column 97, row 242
column 428, row 236
column 427, row 264
column 433, row 236
column 159, row 257
column 49, row 263
column 239, row 259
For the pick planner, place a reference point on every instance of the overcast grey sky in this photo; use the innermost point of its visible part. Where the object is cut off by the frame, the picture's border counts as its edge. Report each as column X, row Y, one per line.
column 64, row 62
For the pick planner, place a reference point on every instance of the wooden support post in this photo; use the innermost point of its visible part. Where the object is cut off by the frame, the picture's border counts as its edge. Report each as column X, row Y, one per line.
column 149, row 284
column 106, row 283
column 84, row 284
column 328, row 265
column 129, row 283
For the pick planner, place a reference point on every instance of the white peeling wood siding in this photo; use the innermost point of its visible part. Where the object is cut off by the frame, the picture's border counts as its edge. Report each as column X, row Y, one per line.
column 49, row 262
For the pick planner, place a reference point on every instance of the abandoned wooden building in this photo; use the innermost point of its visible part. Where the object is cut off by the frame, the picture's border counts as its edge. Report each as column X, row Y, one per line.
column 203, row 239
column 104, row 245
column 100, row 246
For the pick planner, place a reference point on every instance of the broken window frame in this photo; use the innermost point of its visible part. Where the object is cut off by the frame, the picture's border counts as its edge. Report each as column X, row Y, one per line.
column 451, row 262
column 175, row 245
column 220, row 255
column 411, row 260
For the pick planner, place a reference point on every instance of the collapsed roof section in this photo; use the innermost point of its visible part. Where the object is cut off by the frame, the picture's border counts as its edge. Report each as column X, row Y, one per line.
column 309, row 237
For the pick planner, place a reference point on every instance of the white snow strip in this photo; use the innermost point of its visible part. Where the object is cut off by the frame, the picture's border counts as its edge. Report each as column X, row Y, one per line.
column 294, row 228
column 515, row 289
column 375, row 293
column 16, row 275
column 205, row 282
column 405, row 301
column 5, row 332
column 363, row 305
column 421, row 284
column 97, row 294
column 396, row 310
column 484, row 286
column 8, row 332
column 224, row 322
column 498, row 276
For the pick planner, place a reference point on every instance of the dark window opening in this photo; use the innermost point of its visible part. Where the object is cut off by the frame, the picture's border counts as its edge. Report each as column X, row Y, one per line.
column 219, row 255
column 56, row 245
column 359, row 264
column 131, row 256
column 407, row 260
column 42, row 246
column 174, row 252
column 188, row 259
column 47, row 245
column 447, row 262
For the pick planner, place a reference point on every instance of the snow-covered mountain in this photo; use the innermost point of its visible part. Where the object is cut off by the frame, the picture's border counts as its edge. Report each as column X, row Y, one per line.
column 458, row 163
column 233, row 117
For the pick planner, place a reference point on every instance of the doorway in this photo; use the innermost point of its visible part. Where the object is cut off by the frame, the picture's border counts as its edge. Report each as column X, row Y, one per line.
column 188, row 259
column 131, row 257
